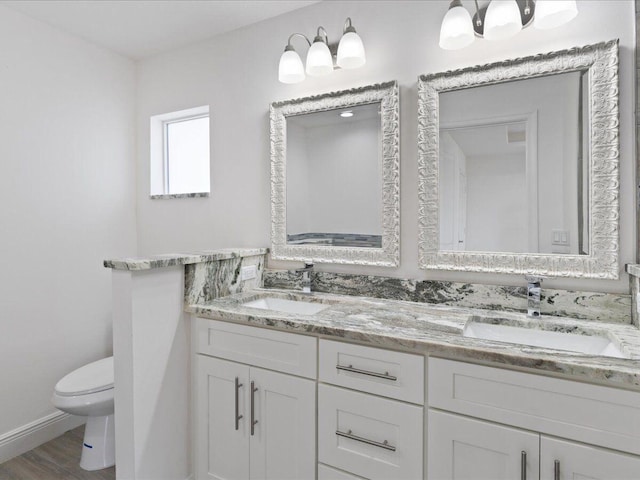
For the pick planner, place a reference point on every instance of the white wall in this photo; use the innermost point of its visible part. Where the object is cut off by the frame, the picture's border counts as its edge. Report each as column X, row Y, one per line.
column 343, row 188
column 236, row 74
column 67, row 195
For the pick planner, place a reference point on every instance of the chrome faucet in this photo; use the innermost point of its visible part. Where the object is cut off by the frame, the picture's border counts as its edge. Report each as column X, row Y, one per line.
column 533, row 296
column 307, row 270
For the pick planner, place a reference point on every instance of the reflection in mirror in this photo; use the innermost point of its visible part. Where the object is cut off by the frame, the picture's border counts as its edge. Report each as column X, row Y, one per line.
column 518, row 165
column 513, row 175
column 334, row 177
column 335, row 185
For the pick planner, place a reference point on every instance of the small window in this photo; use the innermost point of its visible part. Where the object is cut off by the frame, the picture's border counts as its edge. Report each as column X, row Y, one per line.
column 180, row 154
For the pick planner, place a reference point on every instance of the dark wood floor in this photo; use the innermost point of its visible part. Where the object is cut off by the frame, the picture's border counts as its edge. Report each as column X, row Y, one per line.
column 58, row 459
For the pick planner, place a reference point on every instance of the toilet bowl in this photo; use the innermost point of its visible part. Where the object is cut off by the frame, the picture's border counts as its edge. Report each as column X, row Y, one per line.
column 88, row 392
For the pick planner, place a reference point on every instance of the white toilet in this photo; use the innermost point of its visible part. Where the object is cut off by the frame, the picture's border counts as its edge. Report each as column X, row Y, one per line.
column 88, row 392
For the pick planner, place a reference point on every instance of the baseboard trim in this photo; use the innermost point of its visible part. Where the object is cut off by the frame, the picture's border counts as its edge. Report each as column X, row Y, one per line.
column 29, row 436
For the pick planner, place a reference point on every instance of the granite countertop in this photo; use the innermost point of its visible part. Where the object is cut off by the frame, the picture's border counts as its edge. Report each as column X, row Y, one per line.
column 171, row 259
column 437, row 330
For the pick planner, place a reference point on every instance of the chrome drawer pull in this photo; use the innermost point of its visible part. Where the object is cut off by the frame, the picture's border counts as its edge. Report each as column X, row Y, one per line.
column 350, row 368
column 351, row 436
column 238, row 416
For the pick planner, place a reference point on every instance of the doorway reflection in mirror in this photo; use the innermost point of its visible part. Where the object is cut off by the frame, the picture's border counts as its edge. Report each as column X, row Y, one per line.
column 511, row 171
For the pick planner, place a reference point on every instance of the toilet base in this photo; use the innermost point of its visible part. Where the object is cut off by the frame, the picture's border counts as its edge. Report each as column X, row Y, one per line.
column 98, row 446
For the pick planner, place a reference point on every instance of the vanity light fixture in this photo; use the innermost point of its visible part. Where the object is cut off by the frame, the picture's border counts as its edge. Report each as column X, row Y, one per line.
column 347, row 114
column 551, row 14
column 501, row 19
column 348, row 53
column 456, row 30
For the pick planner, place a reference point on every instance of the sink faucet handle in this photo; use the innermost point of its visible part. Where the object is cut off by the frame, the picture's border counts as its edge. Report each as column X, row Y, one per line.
column 534, row 279
column 308, row 267
column 306, row 276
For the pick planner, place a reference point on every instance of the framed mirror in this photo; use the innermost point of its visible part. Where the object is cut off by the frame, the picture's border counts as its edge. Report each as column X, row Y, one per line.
column 335, row 184
column 518, row 166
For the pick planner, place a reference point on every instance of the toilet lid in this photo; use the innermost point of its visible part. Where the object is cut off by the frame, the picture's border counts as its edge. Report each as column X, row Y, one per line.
column 93, row 377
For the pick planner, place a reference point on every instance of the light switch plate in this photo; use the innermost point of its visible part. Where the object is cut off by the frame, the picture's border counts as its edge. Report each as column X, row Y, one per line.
column 248, row 272
column 560, row 237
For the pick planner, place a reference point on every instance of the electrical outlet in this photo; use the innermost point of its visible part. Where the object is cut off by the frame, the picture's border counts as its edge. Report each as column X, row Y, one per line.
column 248, row 272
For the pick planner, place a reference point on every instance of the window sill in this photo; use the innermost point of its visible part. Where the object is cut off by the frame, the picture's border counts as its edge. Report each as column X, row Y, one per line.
column 179, row 195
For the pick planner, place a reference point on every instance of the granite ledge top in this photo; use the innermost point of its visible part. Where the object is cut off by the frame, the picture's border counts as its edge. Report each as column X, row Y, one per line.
column 437, row 330
column 633, row 269
column 172, row 259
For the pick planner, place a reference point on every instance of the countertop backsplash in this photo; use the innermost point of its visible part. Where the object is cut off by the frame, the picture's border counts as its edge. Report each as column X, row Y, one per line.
column 217, row 273
column 634, row 276
column 606, row 307
column 206, row 281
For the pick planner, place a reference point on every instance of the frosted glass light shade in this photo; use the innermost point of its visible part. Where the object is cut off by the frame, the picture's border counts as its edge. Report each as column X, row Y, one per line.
column 553, row 13
column 351, row 51
column 502, row 20
column 456, row 30
column 319, row 61
column 290, row 69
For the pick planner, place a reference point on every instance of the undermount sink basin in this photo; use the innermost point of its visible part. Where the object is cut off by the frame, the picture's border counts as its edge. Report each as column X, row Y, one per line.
column 287, row 306
column 588, row 344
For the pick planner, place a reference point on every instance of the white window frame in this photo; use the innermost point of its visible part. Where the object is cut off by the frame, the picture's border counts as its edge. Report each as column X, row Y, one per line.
column 159, row 157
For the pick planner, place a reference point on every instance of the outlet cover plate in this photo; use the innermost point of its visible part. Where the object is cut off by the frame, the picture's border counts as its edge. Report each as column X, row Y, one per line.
column 249, row 272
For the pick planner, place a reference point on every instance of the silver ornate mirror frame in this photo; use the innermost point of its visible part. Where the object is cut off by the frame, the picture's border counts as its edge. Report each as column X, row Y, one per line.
column 601, row 60
column 389, row 254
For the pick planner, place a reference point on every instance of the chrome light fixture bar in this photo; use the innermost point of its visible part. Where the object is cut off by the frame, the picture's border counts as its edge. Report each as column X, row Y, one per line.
column 501, row 19
column 322, row 56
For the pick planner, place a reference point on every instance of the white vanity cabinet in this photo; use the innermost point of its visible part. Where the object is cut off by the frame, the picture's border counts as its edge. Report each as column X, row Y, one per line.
column 464, row 448
column 250, row 422
column 518, row 419
column 260, row 395
column 370, row 413
column 577, row 461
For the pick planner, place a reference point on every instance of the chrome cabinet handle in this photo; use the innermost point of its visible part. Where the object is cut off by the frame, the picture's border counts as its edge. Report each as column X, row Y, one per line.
column 350, row 368
column 238, row 416
column 556, row 470
column 523, row 465
column 351, row 436
column 254, row 389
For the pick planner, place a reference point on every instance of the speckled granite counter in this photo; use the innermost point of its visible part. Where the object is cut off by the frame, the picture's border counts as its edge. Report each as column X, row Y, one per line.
column 171, row 259
column 437, row 330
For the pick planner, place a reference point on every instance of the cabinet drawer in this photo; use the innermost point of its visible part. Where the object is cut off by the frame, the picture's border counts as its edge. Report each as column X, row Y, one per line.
column 328, row 473
column 374, row 370
column 353, row 428
column 281, row 351
column 594, row 414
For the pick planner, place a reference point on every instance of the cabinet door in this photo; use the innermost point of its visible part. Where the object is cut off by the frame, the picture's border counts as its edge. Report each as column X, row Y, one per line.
column 282, row 445
column 222, row 451
column 460, row 448
column 372, row 437
column 576, row 461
